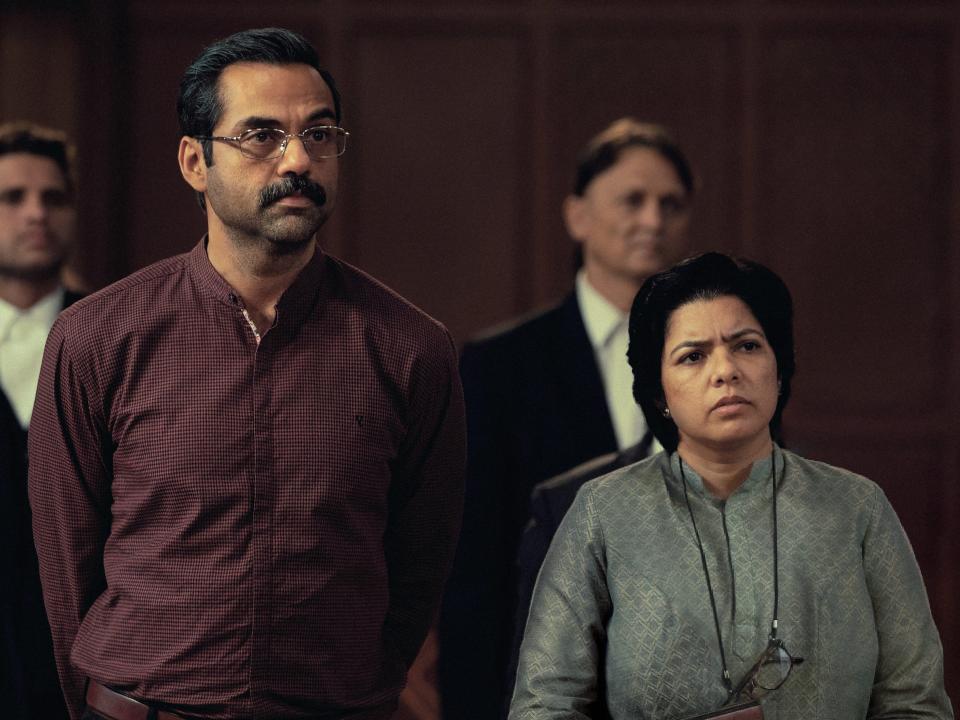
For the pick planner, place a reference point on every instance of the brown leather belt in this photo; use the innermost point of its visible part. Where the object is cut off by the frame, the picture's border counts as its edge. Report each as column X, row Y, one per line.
column 115, row 706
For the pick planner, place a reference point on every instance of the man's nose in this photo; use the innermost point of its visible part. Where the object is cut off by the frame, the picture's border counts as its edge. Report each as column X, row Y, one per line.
column 295, row 159
column 650, row 215
column 34, row 207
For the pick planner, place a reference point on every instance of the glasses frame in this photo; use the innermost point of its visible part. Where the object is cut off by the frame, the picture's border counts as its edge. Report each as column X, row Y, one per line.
column 237, row 141
column 750, row 688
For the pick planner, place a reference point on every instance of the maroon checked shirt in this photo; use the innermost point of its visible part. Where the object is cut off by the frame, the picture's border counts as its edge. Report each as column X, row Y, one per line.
column 239, row 531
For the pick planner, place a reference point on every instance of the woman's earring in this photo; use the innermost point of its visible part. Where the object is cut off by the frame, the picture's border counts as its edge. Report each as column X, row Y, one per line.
column 666, row 412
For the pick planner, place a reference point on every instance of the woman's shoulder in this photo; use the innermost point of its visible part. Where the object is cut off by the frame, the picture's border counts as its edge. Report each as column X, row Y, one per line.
column 637, row 481
column 828, row 485
column 819, row 471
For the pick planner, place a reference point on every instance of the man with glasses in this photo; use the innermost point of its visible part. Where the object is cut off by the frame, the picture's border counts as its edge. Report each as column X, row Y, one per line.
column 246, row 461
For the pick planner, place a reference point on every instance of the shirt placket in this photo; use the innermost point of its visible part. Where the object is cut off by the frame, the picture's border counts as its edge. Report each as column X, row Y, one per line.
column 747, row 635
column 263, row 498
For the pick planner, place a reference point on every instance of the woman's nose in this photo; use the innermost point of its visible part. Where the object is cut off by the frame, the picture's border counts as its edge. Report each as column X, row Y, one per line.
column 724, row 368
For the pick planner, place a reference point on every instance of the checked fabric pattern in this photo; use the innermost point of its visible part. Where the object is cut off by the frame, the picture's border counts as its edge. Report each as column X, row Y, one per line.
column 237, row 529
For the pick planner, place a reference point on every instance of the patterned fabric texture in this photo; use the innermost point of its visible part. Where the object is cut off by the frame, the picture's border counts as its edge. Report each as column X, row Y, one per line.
column 241, row 531
column 621, row 614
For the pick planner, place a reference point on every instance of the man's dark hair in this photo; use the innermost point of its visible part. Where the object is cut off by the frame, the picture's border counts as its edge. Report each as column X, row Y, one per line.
column 605, row 148
column 25, row 137
column 199, row 105
column 705, row 277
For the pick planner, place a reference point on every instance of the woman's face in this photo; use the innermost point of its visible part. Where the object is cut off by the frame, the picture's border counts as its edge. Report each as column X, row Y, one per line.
column 719, row 374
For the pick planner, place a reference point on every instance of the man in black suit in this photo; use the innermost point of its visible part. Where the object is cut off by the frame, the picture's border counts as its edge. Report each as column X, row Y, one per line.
column 552, row 391
column 36, row 230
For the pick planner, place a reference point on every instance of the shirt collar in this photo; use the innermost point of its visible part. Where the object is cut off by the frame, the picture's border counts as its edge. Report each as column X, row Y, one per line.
column 293, row 305
column 43, row 312
column 212, row 283
column 759, row 477
column 601, row 318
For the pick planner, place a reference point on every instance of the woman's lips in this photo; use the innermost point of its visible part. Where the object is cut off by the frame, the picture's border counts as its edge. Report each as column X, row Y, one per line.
column 730, row 404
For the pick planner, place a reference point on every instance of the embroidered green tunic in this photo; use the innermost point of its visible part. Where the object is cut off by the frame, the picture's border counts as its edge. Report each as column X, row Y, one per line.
column 621, row 615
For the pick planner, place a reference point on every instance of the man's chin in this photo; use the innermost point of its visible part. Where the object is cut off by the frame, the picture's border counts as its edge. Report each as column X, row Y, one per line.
column 279, row 246
column 294, row 231
column 32, row 273
column 289, row 243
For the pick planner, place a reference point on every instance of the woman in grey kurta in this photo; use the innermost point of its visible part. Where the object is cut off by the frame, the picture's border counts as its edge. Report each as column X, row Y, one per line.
column 622, row 624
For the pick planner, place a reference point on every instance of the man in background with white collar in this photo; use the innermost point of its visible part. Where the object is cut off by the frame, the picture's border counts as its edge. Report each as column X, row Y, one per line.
column 553, row 391
column 36, row 230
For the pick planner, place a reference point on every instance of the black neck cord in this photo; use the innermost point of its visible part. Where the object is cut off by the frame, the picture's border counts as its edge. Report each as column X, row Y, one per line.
column 706, row 572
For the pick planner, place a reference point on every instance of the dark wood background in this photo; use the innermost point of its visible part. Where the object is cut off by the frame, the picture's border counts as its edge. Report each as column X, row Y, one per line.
column 825, row 135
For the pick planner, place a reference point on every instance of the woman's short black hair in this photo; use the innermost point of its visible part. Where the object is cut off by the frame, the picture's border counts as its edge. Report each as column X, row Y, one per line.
column 705, row 277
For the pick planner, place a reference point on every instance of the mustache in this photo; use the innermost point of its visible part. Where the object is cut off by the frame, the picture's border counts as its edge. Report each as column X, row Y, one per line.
column 289, row 186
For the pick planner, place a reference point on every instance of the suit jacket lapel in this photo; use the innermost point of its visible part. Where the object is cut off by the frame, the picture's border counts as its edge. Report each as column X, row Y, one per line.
column 580, row 380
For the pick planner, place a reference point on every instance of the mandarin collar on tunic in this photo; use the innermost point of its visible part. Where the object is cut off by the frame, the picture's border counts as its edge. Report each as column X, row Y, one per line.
column 757, row 481
column 294, row 305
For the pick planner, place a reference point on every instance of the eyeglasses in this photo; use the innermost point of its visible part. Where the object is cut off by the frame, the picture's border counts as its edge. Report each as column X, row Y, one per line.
column 769, row 673
column 320, row 142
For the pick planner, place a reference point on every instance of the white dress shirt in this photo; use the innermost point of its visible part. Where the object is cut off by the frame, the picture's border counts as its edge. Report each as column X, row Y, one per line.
column 23, row 333
column 607, row 328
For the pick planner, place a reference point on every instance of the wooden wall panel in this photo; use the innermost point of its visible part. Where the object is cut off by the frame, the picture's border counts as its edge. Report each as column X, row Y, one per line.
column 854, row 180
column 853, row 134
column 39, row 57
column 161, row 216
column 434, row 190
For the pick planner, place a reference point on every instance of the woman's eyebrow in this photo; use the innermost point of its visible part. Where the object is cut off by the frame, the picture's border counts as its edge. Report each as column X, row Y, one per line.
column 740, row 333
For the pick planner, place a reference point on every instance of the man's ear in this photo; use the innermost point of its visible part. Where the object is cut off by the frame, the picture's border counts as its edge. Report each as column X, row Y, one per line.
column 575, row 216
column 192, row 165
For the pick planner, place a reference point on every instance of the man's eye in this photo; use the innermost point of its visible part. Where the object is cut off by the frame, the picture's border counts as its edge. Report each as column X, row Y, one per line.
column 261, row 137
column 318, row 134
column 671, row 205
column 55, row 198
column 11, row 197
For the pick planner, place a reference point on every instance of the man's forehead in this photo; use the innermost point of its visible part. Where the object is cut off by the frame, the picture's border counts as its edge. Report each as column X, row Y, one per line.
column 21, row 169
column 641, row 165
column 269, row 90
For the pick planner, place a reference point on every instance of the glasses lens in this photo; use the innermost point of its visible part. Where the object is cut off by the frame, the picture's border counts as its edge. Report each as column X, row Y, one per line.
column 262, row 144
column 774, row 668
column 324, row 141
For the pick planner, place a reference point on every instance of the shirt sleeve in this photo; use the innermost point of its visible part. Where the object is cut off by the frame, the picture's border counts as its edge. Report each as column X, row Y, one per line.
column 69, row 485
column 426, row 502
column 909, row 677
column 560, row 658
